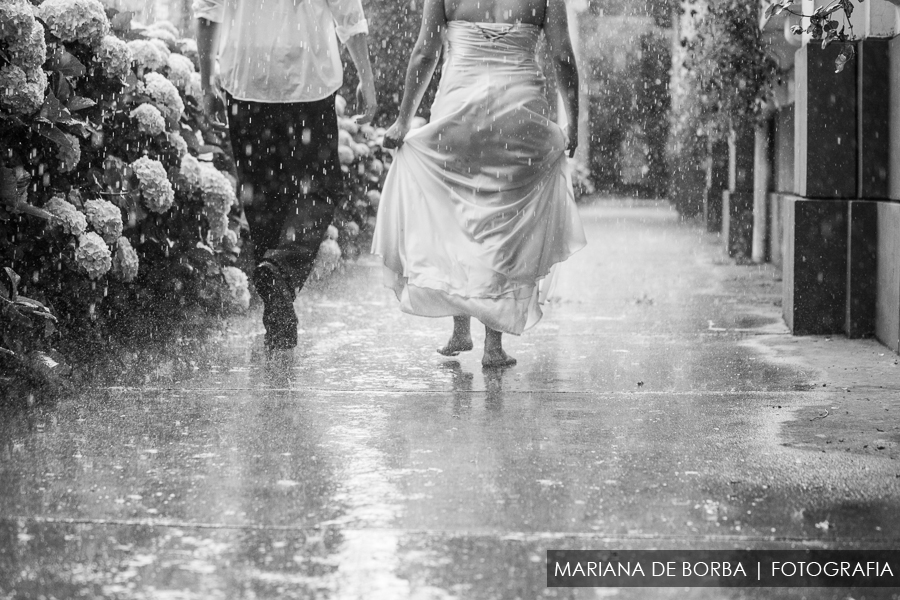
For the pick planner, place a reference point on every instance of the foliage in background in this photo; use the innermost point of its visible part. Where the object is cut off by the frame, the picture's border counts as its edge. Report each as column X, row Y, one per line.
column 628, row 75
column 659, row 10
column 393, row 29
column 733, row 72
column 722, row 79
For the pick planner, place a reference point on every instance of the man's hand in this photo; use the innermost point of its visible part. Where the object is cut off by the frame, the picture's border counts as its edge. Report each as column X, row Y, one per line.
column 214, row 106
column 393, row 137
column 212, row 103
column 366, row 102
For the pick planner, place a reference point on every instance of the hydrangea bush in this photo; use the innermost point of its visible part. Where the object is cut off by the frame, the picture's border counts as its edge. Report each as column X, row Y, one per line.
column 118, row 217
column 364, row 163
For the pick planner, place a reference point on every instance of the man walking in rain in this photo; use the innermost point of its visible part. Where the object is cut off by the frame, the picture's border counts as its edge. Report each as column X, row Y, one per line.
column 279, row 67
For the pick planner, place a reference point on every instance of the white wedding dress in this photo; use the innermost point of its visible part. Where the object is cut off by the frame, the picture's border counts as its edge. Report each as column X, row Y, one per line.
column 478, row 204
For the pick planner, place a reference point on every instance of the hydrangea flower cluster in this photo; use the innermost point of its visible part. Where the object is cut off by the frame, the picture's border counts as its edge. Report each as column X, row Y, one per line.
column 218, row 191
column 180, row 70
column 69, row 154
column 115, row 57
column 188, row 47
column 164, row 95
column 149, row 119
column 66, row 215
column 218, row 198
column 155, row 188
column 218, row 226
column 22, row 82
column 21, row 93
column 106, row 219
column 93, row 255
column 158, row 33
column 327, row 259
column 75, row 20
column 147, row 55
column 189, row 174
column 16, row 18
column 194, row 88
column 29, row 51
column 230, row 241
column 178, row 143
column 161, row 46
column 125, row 263
column 238, row 286
column 164, row 25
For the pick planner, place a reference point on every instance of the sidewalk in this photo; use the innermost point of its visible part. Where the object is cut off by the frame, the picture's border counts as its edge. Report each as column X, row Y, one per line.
column 661, row 403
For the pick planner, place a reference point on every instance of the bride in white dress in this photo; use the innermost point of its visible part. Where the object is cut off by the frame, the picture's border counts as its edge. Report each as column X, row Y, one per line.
column 478, row 204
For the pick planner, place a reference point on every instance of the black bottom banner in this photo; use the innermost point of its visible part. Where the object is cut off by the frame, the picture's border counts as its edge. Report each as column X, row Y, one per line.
column 723, row 568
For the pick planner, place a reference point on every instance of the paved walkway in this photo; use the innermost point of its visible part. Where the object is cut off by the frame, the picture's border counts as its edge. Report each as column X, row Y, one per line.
column 659, row 404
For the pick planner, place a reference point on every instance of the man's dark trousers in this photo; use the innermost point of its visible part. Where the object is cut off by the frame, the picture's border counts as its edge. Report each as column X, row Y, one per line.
column 290, row 178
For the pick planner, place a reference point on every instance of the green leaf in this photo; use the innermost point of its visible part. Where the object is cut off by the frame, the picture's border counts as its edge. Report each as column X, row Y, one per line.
column 66, row 145
column 14, row 192
column 33, row 307
column 67, row 64
column 14, row 280
column 209, row 148
column 191, row 138
column 80, row 103
column 60, row 85
column 843, row 58
column 131, row 80
column 53, row 110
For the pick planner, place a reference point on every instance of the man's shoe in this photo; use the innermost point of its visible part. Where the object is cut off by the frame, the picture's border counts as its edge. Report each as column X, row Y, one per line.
column 279, row 317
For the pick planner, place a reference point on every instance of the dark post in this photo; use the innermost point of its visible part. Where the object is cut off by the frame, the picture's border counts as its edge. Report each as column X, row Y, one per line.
column 816, row 220
column 737, row 224
column 716, row 184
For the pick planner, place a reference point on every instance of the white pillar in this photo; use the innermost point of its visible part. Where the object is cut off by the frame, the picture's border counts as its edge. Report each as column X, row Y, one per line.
column 761, row 184
column 881, row 18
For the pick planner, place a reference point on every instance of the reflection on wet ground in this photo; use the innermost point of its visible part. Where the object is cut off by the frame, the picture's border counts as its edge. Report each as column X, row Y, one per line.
column 365, row 465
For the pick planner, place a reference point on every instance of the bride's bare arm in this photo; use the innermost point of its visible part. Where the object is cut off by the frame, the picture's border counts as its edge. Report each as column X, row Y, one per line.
column 556, row 28
column 422, row 62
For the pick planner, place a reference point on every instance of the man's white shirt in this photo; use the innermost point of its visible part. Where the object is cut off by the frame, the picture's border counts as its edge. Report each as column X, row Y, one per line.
column 282, row 50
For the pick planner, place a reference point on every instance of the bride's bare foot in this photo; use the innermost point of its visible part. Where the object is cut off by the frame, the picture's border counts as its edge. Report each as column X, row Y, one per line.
column 494, row 355
column 460, row 340
column 456, row 345
column 496, row 359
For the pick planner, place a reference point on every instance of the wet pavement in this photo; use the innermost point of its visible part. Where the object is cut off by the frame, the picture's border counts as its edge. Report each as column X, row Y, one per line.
column 659, row 404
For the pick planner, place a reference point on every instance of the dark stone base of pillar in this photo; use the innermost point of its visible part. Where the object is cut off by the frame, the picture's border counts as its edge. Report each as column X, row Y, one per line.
column 737, row 223
column 815, row 266
column 862, row 268
column 712, row 209
column 776, row 228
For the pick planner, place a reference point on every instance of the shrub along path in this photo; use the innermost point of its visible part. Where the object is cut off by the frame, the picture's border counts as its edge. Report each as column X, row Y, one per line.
column 660, row 403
